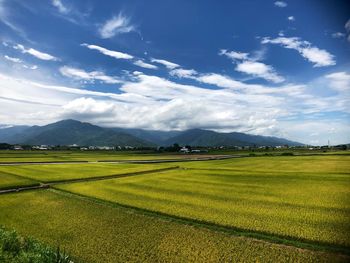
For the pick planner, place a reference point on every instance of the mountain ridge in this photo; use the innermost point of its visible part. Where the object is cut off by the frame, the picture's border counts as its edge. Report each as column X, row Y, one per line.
column 68, row 132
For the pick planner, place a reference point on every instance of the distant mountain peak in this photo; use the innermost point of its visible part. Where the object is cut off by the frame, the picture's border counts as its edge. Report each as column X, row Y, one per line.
column 70, row 131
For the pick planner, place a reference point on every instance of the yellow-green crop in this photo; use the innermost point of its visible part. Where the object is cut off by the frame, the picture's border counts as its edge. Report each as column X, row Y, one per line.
column 97, row 232
column 302, row 198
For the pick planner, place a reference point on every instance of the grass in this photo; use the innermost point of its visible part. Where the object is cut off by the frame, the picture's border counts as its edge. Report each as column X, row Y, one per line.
column 10, row 181
column 53, row 173
column 299, row 198
column 14, row 248
column 98, row 232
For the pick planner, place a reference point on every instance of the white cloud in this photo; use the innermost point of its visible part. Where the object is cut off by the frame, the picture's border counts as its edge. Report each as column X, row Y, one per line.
column 338, row 35
column 183, row 73
column 15, row 60
column 319, row 57
column 167, row 64
column 152, row 102
column 107, row 52
column 220, row 81
column 347, row 28
column 280, row 4
column 60, row 6
column 233, row 54
column 259, row 69
column 291, row 18
column 339, row 81
column 116, row 25
column 336, row 131
column 19, row 61
column 80, row 74
column 249, row 65
column 143, row 64
column 35, row 53
column 31, row 67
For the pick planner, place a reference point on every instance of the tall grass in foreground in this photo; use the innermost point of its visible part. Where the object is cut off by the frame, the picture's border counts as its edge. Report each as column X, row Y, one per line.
column 14, row 248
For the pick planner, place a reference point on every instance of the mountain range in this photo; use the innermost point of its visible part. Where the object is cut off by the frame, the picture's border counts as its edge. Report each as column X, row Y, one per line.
column 68, row 132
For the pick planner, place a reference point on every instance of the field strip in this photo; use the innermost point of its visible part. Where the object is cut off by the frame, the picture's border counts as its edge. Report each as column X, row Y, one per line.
column 206, row 158
column 98, row 178
column 288, row 241
column 40, row 185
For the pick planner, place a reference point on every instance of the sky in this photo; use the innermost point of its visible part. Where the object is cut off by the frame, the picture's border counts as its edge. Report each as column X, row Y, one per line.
column 274, row 68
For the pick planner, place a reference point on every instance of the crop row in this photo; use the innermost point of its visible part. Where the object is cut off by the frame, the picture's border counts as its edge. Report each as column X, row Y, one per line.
column 93, row 232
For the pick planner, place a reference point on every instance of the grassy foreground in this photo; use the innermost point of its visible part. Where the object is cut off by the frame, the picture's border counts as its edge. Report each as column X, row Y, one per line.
column 302, row 198
column 97, row 232
column 14, row 248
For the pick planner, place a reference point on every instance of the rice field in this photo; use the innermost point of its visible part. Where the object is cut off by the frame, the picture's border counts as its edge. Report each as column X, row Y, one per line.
column 78, row 156
column 233, row 210
column 9, row 181
column 52, row 173
column 282, row 196
column 97, row 232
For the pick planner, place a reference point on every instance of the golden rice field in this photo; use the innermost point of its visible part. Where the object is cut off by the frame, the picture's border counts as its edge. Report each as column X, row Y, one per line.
column 98, row 232
column 60, row 172
column 308, row 205
column 10, row 180
column 234, row 210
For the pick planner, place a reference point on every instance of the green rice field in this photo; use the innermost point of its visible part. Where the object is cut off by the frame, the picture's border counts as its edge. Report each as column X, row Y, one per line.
column 301, row 205
column 9, row 180
column 97, row 232
column 59, row 172
column 250, row 209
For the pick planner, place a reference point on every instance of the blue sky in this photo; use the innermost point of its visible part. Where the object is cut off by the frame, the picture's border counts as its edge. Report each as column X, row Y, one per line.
column 279, row 68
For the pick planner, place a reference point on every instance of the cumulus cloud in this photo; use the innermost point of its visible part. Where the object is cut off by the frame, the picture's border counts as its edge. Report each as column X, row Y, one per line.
column 291, row 18
column 249, row 65
column 107, row 52
column 233, row 54
column 151, row 102
column 166, row 63
column 116, row 25
column 280, row 4
column 183, row 73
column 220, row 81
column 60, row 6
column 319, row 57
column 143, row 64
column 80, row 74
column 35, row 53
column 259, row 69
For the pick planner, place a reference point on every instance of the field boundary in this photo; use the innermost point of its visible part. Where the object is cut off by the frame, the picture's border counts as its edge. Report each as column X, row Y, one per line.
column 258, row 235
column 112, row 176
column 205, row 158
column 43, row 184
